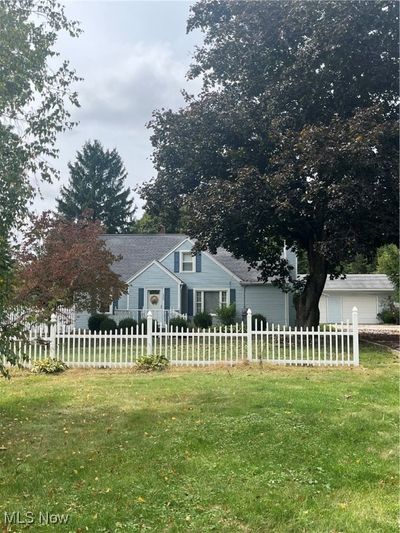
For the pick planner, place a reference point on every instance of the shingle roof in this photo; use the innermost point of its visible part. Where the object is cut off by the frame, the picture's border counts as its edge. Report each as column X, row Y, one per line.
column 360, row 282
column 139, row 250
column 238, row 266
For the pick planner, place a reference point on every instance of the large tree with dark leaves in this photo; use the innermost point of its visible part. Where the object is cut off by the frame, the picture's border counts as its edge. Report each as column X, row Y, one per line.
column 97, row 184
column 293, row 138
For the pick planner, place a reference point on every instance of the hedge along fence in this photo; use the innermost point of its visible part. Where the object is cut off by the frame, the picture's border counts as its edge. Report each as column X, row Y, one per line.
column 334, row 345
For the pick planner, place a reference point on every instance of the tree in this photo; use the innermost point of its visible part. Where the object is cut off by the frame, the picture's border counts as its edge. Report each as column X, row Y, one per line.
column 65, row 263
column 152, row 224
column 360, row 265
column 292, row 140
column 387, row 262
column 146, row 224
column 36, row 99
column 97, row 182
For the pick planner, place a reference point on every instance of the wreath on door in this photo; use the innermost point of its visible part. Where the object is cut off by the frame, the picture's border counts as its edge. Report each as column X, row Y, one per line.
column 154, row 299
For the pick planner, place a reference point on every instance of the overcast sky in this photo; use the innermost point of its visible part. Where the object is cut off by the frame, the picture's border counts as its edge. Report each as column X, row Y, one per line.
column 133, row 56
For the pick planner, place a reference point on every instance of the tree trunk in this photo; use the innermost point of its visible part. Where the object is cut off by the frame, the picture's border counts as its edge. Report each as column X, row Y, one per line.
column 307, row 310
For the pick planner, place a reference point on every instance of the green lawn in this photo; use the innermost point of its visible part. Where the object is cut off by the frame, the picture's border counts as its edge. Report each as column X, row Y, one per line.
column 239, row 449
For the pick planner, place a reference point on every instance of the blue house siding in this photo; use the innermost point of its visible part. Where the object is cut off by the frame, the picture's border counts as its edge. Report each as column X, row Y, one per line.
column 153, row 278
column 123, row 302
column 212, row 276
column 209, row 274
column 81, row 320
column 267, row 300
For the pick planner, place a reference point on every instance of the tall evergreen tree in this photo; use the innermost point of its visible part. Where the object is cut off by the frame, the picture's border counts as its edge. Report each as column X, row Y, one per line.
column 97, row 184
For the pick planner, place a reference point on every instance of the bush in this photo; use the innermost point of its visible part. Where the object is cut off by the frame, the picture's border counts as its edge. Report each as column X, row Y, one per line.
column 152, row 363
column 227, row 314
column 127, row 323
column 108, row 324
column 95, row 321
column 48, row 366
column 390, row 314
column 261, row 321
column 203, row 320
column 179, row 323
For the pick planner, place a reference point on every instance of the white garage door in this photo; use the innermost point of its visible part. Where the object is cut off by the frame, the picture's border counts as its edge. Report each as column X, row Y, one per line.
column 367, row 308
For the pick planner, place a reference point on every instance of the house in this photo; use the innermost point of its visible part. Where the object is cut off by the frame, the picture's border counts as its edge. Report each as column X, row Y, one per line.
column 165, row 278
column 368, row 292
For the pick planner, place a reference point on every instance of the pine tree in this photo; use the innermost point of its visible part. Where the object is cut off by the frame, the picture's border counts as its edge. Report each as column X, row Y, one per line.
column 96, row 185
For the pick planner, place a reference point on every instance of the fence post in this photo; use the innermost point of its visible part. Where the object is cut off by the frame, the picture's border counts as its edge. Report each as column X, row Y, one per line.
column 356, row 350
column 53, row 333
column 249, row 336
column 149, row 340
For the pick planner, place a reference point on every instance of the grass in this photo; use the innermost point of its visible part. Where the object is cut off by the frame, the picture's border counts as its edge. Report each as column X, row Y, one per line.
column 244, row 449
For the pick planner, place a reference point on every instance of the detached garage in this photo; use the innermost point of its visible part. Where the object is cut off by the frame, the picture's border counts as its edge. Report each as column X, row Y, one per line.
column 367, row 292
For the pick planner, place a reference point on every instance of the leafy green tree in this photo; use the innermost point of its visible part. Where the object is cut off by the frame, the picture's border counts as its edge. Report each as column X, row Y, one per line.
column 361, row 264
column 293, row 138
column 387, row 262
column 97, row 184
column 146, row 224
column 152, row 224
column 35, row 103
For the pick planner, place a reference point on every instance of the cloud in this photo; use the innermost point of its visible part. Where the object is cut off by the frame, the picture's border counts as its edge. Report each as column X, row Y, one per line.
column 142, row 78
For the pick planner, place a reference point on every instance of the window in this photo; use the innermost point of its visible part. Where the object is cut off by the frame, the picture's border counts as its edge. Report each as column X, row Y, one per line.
column 187, row 262
column 210, row 301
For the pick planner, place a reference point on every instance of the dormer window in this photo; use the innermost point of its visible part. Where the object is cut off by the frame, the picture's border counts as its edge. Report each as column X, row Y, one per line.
column 188, row 262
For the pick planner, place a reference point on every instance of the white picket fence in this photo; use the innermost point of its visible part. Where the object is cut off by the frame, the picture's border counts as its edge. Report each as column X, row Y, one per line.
column 332, row 345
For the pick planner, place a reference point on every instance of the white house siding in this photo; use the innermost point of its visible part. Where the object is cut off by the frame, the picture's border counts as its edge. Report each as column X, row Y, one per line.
column 336, row 306
column 323, row 310
column 269, row 301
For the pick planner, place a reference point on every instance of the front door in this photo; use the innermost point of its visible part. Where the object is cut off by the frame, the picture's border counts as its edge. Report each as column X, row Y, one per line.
column 155, row 304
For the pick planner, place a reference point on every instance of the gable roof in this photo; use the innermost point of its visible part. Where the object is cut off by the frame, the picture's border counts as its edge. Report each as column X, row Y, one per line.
column 139, row 250
column 360, row 282
column 161, row 267
column 239, row 267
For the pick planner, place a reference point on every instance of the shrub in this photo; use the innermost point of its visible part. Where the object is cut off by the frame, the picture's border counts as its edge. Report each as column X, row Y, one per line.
column 152, row 363
column 95, row 321
column 127, row 323
column 48, row 366
column 108, row 324
column 203, row 320
column 390, row 314
column 261, row 321
column 179, row 323
column 227, row 314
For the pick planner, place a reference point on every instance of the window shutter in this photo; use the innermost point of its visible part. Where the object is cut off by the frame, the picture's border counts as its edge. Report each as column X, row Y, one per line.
column 232, row 296
column 198, row 262
column 176, row 262
column 141, row 298
column 190, row 302
column 167, row 298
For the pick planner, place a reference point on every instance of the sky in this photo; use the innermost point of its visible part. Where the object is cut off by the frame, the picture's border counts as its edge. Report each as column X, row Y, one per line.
column 133, row 56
